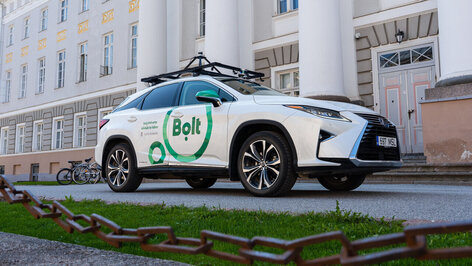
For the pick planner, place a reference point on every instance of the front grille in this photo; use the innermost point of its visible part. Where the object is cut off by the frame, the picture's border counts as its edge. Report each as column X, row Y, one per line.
column 368, row 149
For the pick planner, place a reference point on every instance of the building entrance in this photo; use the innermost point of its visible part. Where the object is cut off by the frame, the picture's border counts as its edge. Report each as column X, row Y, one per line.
column 403, row 78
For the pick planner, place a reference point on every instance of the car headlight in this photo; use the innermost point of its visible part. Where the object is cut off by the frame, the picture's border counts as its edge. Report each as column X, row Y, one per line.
column 320, row 112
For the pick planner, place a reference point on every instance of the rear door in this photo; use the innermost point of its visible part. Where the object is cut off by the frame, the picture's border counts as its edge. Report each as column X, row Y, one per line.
column 148, row 123
column 196, row 133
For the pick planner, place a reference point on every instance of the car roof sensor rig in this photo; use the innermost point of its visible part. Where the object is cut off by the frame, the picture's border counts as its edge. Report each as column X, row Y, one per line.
column 210, row 69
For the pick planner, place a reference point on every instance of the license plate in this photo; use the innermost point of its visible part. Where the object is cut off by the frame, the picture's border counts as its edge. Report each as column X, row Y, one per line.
column 386, row 142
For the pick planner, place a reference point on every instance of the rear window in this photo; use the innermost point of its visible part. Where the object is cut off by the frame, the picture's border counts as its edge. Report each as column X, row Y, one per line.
column 133, row 104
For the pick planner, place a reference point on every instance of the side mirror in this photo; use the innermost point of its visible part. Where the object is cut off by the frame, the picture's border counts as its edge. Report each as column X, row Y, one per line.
column 209, row 97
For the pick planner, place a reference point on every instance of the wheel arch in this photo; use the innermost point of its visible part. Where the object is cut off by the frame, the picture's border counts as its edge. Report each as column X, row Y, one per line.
column 248, row 128
column 112, row 141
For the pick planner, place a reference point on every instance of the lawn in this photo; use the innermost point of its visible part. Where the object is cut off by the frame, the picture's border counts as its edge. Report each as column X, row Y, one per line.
column 38, row 183
column 188, row 222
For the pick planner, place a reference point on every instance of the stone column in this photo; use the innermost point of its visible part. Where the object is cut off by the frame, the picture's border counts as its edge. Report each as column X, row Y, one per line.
column 174, row 18
column 152, row 42
column 221, row 32
column 321, row 57
column 455, row 39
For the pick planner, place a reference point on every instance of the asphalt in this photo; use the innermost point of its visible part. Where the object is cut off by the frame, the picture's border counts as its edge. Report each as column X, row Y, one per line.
column 25, row 250
column 399, row 201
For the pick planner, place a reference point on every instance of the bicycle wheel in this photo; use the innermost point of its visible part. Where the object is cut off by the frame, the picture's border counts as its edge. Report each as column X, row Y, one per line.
column 64, row 176
column 95, row 176
column 81, row 175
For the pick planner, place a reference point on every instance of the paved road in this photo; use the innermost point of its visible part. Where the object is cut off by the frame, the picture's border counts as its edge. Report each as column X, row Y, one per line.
column 425, row 202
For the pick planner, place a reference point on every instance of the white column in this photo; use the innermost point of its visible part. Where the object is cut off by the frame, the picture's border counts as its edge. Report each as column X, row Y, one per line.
column 455, row 38
column 349, row 50
column 152, row 42
column 321, row 62
column 174, row 19
column 246, row 32
column 221, row 31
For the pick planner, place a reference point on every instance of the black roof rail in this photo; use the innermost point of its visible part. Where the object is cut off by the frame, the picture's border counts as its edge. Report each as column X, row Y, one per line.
column 210, row 69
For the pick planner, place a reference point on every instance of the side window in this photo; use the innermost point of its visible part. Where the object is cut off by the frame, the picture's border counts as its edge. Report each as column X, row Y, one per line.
column 133, row 104
column 191, row 88
column 161, row 97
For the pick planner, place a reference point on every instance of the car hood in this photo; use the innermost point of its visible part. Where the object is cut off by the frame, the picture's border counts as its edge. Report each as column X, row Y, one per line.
column 332, row 105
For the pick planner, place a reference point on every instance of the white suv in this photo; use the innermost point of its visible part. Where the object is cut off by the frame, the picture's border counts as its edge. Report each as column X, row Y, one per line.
column 206, row 127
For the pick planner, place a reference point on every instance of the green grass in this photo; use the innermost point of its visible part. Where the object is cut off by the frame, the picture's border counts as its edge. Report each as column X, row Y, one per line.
column 39, row 183
column 188, row 222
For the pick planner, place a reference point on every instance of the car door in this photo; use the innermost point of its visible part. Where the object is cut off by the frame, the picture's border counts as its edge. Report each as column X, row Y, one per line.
column 148, row 123
column 196, row 132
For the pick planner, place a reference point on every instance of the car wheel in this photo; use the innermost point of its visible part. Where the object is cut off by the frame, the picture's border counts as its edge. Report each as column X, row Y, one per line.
column 121, row 171
column 265, row 164
column 345, row 183
column 200, row 183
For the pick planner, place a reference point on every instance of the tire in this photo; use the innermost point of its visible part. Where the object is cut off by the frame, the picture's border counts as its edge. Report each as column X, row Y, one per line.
column 95, row 176
column 81, row 175
column 200, row 183
column 345, row 183
column 120, row 169
column 64, row 176
column 265, row 165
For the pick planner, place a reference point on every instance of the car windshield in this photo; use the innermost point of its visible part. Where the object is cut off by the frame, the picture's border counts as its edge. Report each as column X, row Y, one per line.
column 250, row 88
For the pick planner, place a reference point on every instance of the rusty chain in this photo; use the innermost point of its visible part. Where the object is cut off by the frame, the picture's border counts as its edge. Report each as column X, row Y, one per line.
column 413, row 236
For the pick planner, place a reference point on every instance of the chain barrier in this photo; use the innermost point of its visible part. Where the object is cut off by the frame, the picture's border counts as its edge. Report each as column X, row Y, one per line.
column 413, row 236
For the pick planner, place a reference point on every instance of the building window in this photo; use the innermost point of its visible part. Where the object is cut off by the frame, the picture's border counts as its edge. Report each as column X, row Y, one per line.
column 288, row 82
column 57, row 133
column 10, row 35
column 44, row 20
column 134, row 46
column 23, row 81
column 84, row 5
column 37, row 135
column 7, row 88
column 26, row 28
column 4, row 140
column 61, row 69
column 284, row 6
column 20, row 138
column 202, row 18
column 406, row 57
column 2, row 169
column 41, row 75
column 107, row 68
column 83, row 50
column 80, row 128
column 63, row 4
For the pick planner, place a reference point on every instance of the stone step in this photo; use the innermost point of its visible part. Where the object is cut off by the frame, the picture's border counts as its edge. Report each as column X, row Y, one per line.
column 405, row 177
column 445, row 168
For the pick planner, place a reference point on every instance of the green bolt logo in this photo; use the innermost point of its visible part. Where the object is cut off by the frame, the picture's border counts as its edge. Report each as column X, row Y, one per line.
column 186, row 129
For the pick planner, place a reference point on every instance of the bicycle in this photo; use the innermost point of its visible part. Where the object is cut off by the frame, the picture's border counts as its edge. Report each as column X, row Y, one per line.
column 65, row 175
column 87, row 173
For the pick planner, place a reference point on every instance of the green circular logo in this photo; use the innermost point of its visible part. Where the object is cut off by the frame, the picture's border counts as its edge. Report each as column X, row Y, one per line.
column 201, row 150
column 159, row 145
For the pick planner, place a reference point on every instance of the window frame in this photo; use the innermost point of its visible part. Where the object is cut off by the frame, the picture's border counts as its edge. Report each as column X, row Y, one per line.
column 84, row 6
column 107, row 67
column 55, row 130
column 133, row 46
column 83, row 65
column 77, row 128
column 276, row 72
column 23, row 81
column 60, row 64
column 26, row 28
column 20, row 139
column 11, row 30
column 7, row 95
column 43, row 19
column 36, row 134
column 201, row 22
column 41, row 75
column 63, row 10
column 289, row 7
column 101, row 114
column 4, row 140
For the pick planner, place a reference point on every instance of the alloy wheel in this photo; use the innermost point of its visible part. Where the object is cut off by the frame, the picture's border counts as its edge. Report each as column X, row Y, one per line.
column 261, row 162
column 118, row 167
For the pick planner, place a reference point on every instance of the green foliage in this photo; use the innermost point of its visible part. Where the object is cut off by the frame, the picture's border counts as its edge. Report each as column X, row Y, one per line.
column 188, row 222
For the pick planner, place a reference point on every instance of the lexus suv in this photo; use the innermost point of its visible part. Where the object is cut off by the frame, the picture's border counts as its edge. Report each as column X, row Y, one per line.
column 214, row 125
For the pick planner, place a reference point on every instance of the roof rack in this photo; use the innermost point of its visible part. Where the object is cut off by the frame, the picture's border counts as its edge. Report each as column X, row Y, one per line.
column 210, row 69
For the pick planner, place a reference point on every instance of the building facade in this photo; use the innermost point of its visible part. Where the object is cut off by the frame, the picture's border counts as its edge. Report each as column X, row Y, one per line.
column 66, row 63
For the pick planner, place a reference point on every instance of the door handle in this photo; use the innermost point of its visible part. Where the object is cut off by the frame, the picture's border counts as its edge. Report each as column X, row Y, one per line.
column 410, row 112
column 177, row 114
column 132, row 119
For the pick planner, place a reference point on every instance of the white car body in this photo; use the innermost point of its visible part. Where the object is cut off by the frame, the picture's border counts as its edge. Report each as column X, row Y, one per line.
column 203, row 136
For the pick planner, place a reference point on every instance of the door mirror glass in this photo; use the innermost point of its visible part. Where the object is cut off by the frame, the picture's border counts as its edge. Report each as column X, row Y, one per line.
column 210, row 97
